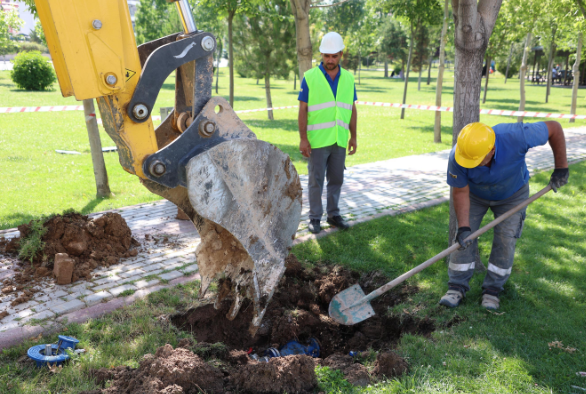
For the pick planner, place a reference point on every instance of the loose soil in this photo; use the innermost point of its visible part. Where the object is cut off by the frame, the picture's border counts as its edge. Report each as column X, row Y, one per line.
column 91, row 243
column 216, row 360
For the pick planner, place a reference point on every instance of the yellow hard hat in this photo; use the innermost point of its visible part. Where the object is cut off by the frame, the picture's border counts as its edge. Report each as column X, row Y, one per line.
column 474, row 143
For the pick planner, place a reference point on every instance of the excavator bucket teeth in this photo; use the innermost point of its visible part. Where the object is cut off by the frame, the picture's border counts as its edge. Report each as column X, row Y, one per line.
column 251, row 192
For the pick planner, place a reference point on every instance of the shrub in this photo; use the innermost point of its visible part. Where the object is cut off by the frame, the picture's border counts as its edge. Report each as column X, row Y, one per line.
column 33, row 243
column 502, row 68
column 32, row 71
column 27, row 46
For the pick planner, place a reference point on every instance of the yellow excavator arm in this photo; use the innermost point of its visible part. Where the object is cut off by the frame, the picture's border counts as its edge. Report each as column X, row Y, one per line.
column 94, row 53
column 242, row 194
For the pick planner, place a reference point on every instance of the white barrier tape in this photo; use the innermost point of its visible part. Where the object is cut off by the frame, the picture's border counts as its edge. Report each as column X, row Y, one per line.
column 10, row 110
column 482, row 111
column 500, row 112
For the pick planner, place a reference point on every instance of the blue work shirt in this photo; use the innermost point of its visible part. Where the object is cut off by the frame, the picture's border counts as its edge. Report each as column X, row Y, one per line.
column 508, row 171
column 304, row 92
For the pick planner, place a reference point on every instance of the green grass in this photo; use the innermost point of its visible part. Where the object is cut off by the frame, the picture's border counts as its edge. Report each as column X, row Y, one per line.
column 483, row 352
column 37, row 181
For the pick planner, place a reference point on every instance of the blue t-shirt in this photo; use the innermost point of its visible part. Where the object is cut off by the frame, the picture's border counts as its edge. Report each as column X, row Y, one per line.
column 508, row 171
column 304, row 92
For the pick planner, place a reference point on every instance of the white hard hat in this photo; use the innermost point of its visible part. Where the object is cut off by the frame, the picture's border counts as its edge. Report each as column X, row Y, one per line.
column 331, row 43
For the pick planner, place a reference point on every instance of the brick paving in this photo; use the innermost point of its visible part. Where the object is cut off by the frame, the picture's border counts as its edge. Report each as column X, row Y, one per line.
column 370, row 190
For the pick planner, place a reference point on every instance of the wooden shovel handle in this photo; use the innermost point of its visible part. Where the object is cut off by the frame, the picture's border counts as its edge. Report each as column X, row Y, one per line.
column 452, row 248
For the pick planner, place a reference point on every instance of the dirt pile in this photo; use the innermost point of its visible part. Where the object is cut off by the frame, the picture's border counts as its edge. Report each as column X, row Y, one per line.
column 355, row 373
column 297, row 311
column 388, row 364
column 90, row 243
column 174, row 371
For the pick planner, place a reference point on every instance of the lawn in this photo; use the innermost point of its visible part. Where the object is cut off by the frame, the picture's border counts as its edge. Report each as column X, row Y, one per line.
column 483, row 352
column 37, row 181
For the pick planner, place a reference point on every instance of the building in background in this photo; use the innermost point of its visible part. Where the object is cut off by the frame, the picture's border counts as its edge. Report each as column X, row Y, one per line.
column 132, row 7
column 23, row 13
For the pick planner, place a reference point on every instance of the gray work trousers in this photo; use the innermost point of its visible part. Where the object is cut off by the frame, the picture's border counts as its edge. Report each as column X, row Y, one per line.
column 329, row 162
column 506, row 233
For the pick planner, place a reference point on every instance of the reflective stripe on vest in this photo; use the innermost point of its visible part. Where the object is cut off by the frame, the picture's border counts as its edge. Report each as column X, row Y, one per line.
column 329, row 104
column 327, row 125
column 328, row 116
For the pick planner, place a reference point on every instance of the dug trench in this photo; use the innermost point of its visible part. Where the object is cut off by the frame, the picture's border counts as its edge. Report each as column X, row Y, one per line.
column 216, row 360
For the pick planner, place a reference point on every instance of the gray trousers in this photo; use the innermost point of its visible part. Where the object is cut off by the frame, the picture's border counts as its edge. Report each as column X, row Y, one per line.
column 329, row 162
column 500, row 263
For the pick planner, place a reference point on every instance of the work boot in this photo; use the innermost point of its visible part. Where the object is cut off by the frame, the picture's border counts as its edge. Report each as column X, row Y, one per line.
column 314, row 226
column 490, row 302
column 452, row 298
column 338, row 222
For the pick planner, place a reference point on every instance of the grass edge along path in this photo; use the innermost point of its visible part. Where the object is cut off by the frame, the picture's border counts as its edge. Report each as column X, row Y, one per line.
column 472, row 350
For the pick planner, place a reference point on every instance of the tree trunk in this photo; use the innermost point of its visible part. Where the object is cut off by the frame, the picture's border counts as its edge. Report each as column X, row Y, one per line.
column 487, row 75
column 419, row 79
column 100, row 173
column 576, row 72
column 550, row 63
column 429, row 68
column 522, row 76
column 566, row 72
column 268, row 94
column 359, row 65
column 437, row 128
column 474, row 23
column 386, row 67
column 407, row 72
column 300, row 10
column 533, row 76
column 231, row 56
column 294, row 81
column 221, row 49
column 508, row 63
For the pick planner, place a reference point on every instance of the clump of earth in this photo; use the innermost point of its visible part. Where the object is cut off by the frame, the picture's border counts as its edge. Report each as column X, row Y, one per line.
column 217, row 359
column 89, row 242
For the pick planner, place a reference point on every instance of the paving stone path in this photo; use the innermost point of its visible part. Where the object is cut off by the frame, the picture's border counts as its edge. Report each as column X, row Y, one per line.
column 370, row 190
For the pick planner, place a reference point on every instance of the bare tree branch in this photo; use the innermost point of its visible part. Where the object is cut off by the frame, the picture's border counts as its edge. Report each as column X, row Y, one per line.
column 329, row 5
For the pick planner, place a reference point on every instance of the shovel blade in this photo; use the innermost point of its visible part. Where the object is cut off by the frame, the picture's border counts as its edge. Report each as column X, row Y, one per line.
column 343, row 308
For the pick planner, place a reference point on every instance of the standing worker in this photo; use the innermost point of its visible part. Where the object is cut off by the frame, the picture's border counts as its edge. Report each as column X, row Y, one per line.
column 327, row 125
column 487, row 169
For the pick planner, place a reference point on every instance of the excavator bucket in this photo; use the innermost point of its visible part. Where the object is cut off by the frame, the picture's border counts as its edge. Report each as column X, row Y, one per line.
column 251, row 191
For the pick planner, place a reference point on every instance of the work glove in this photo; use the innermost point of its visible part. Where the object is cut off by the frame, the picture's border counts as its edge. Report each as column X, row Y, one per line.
column 463, row 233
column 559, row 178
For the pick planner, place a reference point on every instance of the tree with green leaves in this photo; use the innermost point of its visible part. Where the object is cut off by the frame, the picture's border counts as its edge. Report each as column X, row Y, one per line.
column 155, row 19
column 416, row 12
column 229, row 9
column 392, row 42
column 10, row 22
column 437, row 128
column 421, row 49
column 37, row 34
column 265, row 42
column 209, row 20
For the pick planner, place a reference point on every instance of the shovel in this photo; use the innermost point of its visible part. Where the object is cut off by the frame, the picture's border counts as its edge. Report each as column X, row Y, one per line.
column 352, row 306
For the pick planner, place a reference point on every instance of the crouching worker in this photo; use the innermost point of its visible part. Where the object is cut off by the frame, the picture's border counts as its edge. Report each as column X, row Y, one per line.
column 487, row 170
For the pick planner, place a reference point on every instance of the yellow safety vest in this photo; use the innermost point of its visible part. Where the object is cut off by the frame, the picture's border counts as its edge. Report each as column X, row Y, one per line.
column 328, row 120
